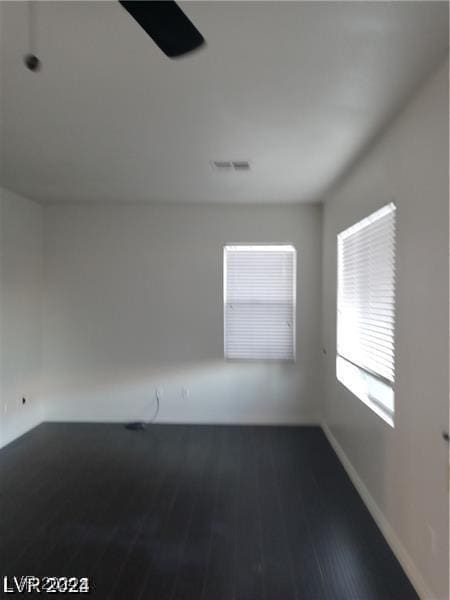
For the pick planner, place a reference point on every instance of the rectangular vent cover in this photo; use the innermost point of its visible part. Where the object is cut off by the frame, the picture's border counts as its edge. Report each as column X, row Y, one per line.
column 231, row 165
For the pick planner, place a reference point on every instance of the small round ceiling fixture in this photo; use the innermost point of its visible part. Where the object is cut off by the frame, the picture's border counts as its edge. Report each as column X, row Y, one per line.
column 32, row 62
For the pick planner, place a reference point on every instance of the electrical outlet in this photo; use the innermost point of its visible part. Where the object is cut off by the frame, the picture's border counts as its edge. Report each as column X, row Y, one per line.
column 5, row 408
column 433, row 540
column 185, row 393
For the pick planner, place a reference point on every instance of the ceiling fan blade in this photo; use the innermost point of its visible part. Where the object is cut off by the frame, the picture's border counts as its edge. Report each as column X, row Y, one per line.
column 167, row 25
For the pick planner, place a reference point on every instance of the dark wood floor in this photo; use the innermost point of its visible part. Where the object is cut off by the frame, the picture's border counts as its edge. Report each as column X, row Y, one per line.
column 191, row 512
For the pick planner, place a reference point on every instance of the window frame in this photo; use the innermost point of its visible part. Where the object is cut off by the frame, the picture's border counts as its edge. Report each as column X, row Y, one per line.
column 364, row 383
column 269, row 245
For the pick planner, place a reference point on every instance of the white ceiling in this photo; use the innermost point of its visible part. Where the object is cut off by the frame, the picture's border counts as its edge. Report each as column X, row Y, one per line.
column 297, row 88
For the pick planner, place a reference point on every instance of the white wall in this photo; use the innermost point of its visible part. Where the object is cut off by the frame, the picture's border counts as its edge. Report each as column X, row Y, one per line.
column 20, row 314
column 405, row 469
column 134, row 302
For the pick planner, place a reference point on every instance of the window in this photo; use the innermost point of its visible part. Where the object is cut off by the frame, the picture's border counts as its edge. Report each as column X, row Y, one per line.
column 365, row 310
column 259, row 302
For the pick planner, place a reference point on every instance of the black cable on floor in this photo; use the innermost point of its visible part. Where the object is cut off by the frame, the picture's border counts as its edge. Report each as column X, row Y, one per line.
column 142, row 425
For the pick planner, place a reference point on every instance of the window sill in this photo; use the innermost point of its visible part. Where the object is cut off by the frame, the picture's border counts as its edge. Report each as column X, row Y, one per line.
column 375, row 394
column 282, row 361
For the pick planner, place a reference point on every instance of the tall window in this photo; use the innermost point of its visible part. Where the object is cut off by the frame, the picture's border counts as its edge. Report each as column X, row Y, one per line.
column 259, row 302
column 366, row 309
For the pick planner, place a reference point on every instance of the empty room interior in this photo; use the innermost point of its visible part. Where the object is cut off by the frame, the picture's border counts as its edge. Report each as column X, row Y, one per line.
column 224, row 300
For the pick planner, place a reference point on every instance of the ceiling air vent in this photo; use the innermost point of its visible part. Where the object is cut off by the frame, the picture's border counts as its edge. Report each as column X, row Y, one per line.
column 241, row 165
column 230, row 165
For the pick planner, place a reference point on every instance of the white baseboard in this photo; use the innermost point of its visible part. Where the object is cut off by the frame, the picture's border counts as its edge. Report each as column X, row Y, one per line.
column 162, row 420
column 385, row 527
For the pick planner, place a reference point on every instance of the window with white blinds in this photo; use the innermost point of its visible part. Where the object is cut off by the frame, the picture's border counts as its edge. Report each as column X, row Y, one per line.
column 259, row 302
column 366, row 309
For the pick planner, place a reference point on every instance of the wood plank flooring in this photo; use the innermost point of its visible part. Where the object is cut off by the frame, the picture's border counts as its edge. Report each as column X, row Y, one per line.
column 191, row 513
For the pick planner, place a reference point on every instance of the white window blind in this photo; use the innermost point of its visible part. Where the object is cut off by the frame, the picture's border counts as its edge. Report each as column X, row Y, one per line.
column 259, row 302
column 366, row 304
